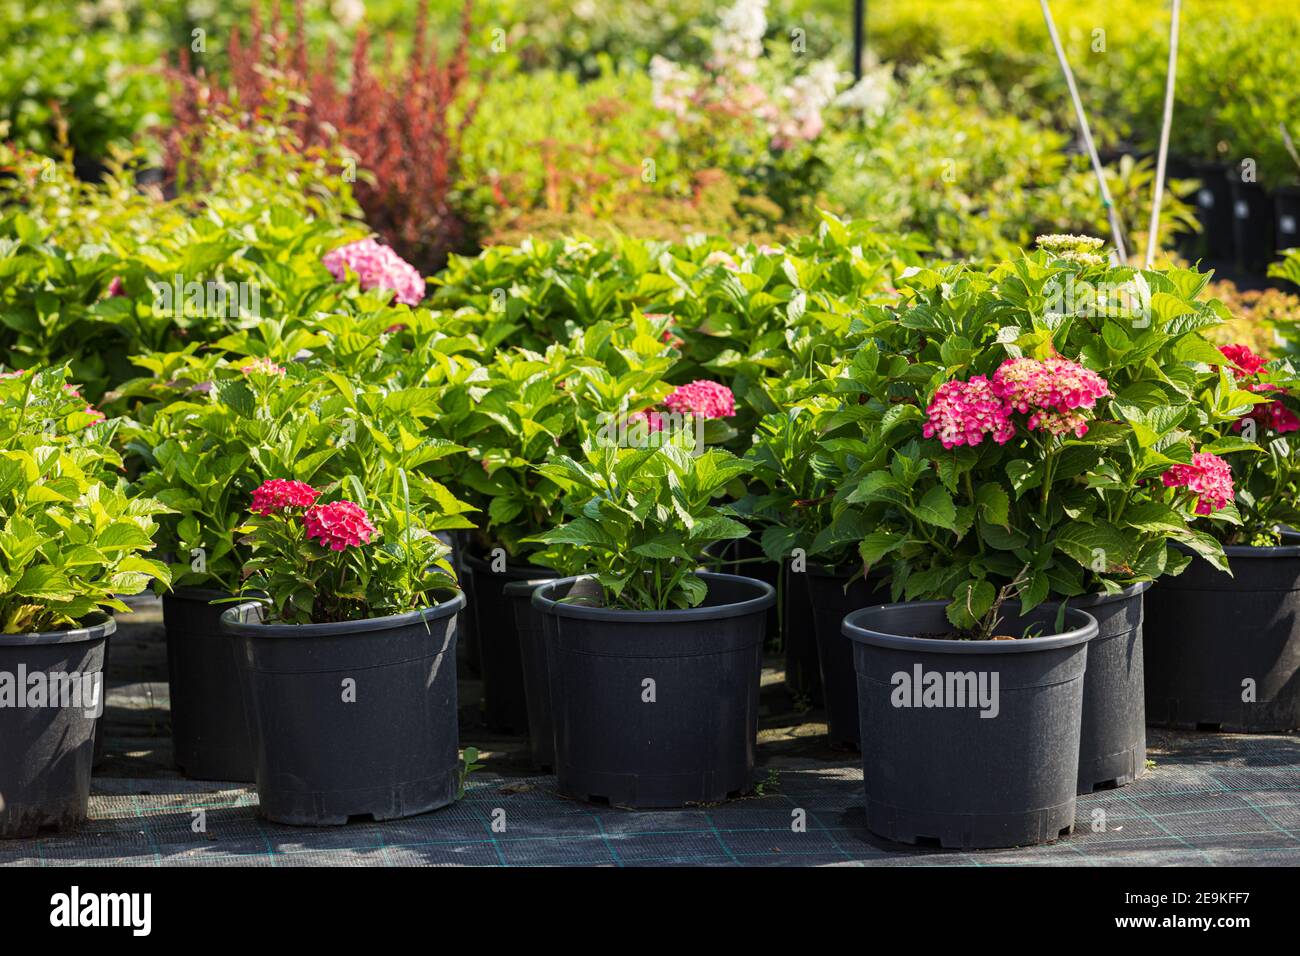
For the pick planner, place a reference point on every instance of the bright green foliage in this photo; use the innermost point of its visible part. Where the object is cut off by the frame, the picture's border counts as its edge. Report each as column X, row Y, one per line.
column 640, row 518
column 72, row 538
column 212, row 430
column 1040, row 515
column 401, row 567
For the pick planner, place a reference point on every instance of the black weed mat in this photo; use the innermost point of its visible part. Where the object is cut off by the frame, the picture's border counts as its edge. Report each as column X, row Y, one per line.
column 1208, row 799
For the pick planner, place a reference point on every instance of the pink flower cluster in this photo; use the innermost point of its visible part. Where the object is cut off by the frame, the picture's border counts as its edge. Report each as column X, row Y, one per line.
column 263, row 365
column 708, row 399
column 1050, row 392
column 1208, row 477
column 1273, row 416
column 272, row 497
column 338, row 525
column 377, row 267
column 962, row 413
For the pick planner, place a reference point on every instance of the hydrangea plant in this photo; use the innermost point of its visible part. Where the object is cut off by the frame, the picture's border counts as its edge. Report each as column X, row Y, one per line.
column 316, row 562
column 1017, row 441
column 639, row 519
column 72, row 538
column 1261, row 483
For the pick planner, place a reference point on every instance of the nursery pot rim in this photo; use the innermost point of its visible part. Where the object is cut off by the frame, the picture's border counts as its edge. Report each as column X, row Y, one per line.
column 231, row 624
column 512, row 567
column 96, row 625
column 853, row 628
column 1098, row 598
column 823, row 569
column 765, row 598
column 1254, row 551
column 189, row 592
column 526, row 587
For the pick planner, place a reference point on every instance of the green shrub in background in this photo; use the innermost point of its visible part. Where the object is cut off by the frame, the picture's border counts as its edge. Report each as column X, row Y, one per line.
column 1238, row 75
column 97, row 273
column 65, row 85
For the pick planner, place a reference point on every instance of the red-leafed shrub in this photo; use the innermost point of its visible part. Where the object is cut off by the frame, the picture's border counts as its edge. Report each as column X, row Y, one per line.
column 402, row 126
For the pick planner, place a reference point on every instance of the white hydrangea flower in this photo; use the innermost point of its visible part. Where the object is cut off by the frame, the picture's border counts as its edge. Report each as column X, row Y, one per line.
column 738, row 39
column 871, row 95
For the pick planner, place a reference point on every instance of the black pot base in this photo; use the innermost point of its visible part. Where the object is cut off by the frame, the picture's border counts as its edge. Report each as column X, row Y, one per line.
column 971, row 831
column 339, row 807
column 650, row 793
column 1113, row 772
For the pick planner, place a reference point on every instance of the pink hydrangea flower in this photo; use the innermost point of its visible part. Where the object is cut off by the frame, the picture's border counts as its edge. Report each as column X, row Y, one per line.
column 1208, row 477
column 263, row 365
column 653, row 420
column 1059, row 423
column 377, row 267
column 338, row 525
column 709, row 399
column 962, row 413
column 1052, row 385
column 273, row 496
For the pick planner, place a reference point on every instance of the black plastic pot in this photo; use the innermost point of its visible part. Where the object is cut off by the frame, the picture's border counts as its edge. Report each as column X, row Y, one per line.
column 1211, row 639
column 467, row 624
column 536, row 671
column 655, row 708
column 1214, row 211
column 831, row 600
column 1113, row 742
column 1286, row 218
column 350, row 719
column 209, row 735
column 745, row 557
column 1252, row 225
column 945, row 773
column 46, row 751
column 803, row 677
column 504, row 704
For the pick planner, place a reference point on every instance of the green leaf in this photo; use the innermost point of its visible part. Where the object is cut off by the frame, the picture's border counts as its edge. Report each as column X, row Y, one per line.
column 971, row 601
column 936, row 507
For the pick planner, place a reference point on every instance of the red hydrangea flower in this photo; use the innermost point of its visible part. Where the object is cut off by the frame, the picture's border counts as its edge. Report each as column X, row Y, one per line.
column 962, row 413
column 1273, row 416
column 1247, row 362
column 709, row 399
column 338, row 525
column 1208, row 477
column 377, row 267
column 277, row 494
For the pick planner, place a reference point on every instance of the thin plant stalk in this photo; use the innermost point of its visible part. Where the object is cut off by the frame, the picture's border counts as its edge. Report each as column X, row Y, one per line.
column 1165, row 125
column 1116, row 230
